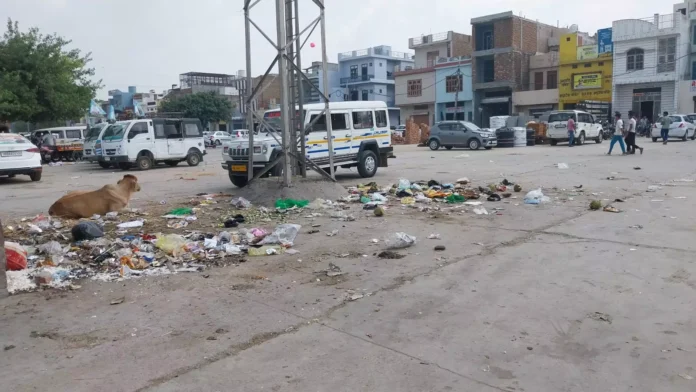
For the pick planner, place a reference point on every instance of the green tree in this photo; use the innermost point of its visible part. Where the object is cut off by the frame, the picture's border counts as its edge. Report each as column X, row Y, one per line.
column 207, row 107
column 41, row 79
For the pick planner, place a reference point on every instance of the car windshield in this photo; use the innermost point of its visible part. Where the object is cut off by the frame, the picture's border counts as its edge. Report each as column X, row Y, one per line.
column 676, row 118
column 561, row 117
column 93, row 133
column 691, row 118
column 471, row 126
column 115, row 132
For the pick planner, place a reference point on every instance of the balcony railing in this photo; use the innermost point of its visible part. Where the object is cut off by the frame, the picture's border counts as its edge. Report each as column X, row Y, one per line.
column 666, row 21
column 357, row 78
column 429, row 39
column 376, row 51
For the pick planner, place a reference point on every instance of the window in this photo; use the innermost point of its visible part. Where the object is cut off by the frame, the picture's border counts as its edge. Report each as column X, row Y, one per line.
column 552, row 79
column 370, row 64
column 414, row 88
column 159, row 131
column 667, row 54
column 338, row 122
column 365, row 96
column 453, row 83
column 575, row 66
column 634, row 60
column 588, row 65
column 353, row 71
column 172, row 130
column 538, row 81
column 363, row 120
column 191, row 130
column 381, row 118
column 380, row 91
column 431, row 58
column 487, row 40
column 693, row 36
column 137, row 129
column 446, row 126
column 73, row 134
column 380, row 64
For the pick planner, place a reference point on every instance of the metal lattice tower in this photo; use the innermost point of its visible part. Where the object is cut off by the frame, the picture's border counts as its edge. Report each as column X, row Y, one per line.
column 288, row 44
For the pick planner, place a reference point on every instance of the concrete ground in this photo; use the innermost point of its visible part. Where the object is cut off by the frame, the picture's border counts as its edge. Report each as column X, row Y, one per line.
column 534, row 298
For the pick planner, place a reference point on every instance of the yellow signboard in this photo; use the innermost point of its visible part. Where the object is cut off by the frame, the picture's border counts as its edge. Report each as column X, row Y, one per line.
column 588, row 52
column 587, row 81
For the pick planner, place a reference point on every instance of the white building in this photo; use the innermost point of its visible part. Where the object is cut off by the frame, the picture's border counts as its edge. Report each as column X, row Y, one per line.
column 651, row 58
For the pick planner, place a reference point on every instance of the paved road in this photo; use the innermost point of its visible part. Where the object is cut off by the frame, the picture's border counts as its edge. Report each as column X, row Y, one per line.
column 538, row 298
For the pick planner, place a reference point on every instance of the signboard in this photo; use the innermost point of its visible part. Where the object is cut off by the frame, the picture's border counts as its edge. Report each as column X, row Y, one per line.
column 605, row 45
column 692, row 87
column 587, row 52
column 458, row 109
column 587, row 81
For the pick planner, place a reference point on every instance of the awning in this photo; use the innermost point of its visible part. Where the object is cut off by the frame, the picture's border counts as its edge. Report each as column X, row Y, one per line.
column 495, row 100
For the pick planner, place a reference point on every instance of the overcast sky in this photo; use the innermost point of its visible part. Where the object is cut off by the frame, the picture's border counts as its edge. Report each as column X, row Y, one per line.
column 148, row 43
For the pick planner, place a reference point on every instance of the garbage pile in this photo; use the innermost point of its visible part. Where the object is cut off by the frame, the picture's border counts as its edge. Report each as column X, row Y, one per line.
column 45, row 252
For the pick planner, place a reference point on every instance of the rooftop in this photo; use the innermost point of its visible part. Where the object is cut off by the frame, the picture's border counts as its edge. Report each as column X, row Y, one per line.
column 384, row 51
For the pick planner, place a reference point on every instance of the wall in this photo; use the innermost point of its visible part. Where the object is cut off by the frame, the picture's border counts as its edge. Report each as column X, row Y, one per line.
column 623, row 101
column 462, row 45
column 532, row 98
column 427, row 83
column 441, row 73
column 685, row 99
column 421, row 57
column 570, row 65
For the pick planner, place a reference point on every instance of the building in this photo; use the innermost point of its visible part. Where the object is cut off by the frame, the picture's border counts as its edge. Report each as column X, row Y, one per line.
column 316, row 76
column 454, row 97
column 148, row 101
column 415, row 87
column 687, row 88
column 540, row 94
column 586, row 71
column 503, row 44
column 651, row 57
column 122, row 101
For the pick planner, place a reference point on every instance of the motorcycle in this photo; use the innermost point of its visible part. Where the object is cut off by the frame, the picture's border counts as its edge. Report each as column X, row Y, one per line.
column 608, row 130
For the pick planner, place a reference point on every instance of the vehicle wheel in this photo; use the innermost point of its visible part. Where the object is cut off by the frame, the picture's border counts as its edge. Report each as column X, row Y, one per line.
column 654, row 139
column 448, row 147
column 218, row 142
column 553, row 142
column 144, row 162
column 35, row 176
column 599, row 138
column 474, row 144
column 367, row 165
column 239, row 181
column 434, row 144
column 581, row 140
column 104, row 165
column 685, row 133
column 171, row 163
column 193, row 159
column 488, row 148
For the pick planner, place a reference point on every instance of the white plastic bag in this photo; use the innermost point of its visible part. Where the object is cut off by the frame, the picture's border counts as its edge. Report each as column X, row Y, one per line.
column 282, row 235
column 404, row 184
column 399, row 241
column 240, row 202
column 535, row 197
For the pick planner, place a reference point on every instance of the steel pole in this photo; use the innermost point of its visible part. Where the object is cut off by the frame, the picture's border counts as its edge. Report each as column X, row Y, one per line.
column 284, row 97
column 248, row 90
column 300, row 104
column 325, row 77
column 3, row 266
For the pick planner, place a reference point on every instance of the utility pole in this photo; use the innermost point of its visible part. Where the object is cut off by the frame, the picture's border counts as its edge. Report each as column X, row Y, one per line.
column 456, row 93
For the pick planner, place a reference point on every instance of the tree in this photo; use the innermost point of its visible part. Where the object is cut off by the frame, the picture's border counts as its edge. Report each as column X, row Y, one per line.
column 207, row 107
column 41, row 79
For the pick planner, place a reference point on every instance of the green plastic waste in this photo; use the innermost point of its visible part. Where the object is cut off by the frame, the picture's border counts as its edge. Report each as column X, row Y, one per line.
column 284, row 204
column 455, row 198
column 365, row 199
column 181, row 211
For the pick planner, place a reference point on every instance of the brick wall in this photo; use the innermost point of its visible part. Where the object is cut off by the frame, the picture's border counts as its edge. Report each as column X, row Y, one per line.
column 462, row 45
column 524, row 35
column 502, row 33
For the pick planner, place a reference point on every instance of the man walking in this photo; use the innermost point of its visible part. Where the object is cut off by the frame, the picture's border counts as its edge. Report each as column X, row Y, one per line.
column 571, row 131
column 665, row 122
column 618, row 135
column 631, row 134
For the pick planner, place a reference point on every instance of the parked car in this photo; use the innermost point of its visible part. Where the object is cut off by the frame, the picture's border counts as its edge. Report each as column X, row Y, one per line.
column 240, row 134
column 219, row 137
column 682, row 128
column 399, row 130
column 19, row 156
column 450, row 134
column 586, row 127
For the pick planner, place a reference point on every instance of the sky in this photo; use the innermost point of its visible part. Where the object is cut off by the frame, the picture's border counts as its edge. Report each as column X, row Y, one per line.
column 148, row 43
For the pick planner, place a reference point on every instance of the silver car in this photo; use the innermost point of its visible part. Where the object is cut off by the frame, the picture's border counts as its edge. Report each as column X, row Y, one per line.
column 450, row 134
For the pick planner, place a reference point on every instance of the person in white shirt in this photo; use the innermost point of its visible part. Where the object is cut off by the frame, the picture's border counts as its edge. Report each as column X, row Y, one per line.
column 631, row 134
column 618, row 135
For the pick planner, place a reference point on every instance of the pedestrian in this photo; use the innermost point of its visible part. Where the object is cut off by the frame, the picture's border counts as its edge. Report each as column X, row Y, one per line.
column 665, row 122
column 571, row 131
column 618, row 135
column 631, row 134
column 644, row 127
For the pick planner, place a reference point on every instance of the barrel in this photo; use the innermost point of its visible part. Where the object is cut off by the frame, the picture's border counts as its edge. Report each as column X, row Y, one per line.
column 531, row 137
column 520, row 137
column 506, row 137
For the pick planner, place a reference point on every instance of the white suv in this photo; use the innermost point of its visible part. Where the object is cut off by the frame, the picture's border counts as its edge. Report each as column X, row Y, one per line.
column 586, row 127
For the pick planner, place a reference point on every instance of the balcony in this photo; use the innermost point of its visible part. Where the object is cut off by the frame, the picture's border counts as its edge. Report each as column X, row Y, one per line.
column 430, row 39
column 356, row 79
column 382, row 51
column 656, row 25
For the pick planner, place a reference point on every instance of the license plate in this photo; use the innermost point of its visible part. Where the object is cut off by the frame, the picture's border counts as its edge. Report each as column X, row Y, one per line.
column 11, row 154
column 107, row 159
column 239, row 168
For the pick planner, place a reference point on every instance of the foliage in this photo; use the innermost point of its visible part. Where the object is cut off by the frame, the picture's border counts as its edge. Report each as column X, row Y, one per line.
column 207, row 107
column 41, row 79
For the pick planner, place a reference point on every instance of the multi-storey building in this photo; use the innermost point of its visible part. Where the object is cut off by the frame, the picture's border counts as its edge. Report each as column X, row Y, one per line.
column 503, row 44
column 316, row 77
column 651, row 57
column 540, row 94
column 415, row 87
column 453, row 94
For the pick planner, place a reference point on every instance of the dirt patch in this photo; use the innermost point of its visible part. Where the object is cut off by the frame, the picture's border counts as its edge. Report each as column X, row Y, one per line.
column 390, row 255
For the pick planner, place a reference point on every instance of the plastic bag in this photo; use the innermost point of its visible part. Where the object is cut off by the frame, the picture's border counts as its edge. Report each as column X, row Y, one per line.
column 282, row 235
column 172, row 244
column 16, row 256
column 130, row 225
column 232, row 249
column 86, row 231
column 535, row 197
column 404, row 184
column 180, row 211
column 240, row 202
column 317, row 204
column 399, row 241
column 378, row 197
column 51, row 248
column 284, row 204
column 455, row 198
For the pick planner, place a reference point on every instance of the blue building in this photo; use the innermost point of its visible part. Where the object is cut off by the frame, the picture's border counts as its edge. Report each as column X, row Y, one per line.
column 316, row 76
column 122, row 100
column 368, row 74
column 453, row 77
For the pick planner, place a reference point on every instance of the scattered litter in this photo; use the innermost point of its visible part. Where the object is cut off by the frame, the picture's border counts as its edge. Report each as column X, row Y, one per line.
column 653, row 188
column 656, row 201
column 387, row 254
column 117, row 301
column 518, row 188
column 595, row 205
column 86, row 231
column 333, row 233
column 562, row 165
column 439, row 248
column 434, row 236
column 241, row 203
column 181, row 211
column 177, row 225
column 455, row 198
column 399, row 241
column 535, row 197
column 685, row 376
column 355, row 297
column 378, row 211
column 480, row 211
column 683, row 180
column 292, row 251
column 636, row 168
column 16, row 256
column 473, row 203
column 266, row 250
column 131, row 224
column 494, row 197
column 284, row 234
column 619, row 200
column 284, row 204
column 639, row 227
column 611, row 209
column 680, row 197
column 600, row 317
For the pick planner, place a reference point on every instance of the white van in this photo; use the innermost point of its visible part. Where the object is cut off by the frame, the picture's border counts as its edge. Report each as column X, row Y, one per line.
column 360, row 133
column 146, row 142
column 586, row 127
column 69, row 141
column 92, row 146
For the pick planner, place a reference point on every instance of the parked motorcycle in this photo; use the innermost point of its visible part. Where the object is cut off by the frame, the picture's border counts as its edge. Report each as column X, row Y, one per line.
column 608, row 130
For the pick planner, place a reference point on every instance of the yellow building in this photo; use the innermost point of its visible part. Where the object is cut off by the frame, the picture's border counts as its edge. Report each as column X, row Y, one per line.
column 585, row 75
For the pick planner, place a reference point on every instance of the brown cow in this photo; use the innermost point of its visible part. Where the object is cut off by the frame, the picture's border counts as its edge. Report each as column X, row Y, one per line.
column 84, row 204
